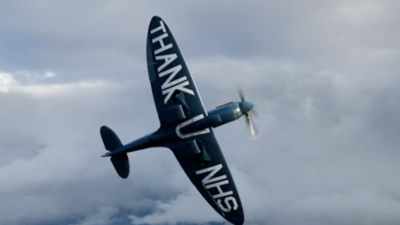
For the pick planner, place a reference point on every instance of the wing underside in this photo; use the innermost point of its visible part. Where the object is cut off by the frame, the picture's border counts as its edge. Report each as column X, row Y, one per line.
column 174, row 91
column 178, row 103
column 213, row 180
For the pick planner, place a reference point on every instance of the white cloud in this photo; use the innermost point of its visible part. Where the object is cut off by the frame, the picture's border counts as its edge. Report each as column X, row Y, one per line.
column 6, row 82
column 186, row 208
column 102, row 217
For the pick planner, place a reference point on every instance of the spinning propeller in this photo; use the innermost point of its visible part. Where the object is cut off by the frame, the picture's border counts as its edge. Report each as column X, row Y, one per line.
column 245, row 108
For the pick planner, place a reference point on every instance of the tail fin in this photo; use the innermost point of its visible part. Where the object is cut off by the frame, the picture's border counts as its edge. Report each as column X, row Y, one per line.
column 111, row 142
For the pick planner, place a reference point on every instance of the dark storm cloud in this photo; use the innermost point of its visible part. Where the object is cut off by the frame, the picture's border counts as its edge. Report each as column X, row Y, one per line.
column 323, row 76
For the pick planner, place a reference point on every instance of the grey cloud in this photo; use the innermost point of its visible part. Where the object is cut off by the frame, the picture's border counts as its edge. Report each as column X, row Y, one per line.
column 323, row 77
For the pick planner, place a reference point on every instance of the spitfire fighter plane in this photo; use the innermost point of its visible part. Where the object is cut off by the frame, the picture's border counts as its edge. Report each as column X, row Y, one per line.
column 185, row 126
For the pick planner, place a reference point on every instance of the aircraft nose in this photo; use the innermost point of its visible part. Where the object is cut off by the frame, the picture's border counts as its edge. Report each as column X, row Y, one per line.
column 246, row 106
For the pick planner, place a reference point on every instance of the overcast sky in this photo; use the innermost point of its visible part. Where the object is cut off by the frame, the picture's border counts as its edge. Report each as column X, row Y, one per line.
column 324, row 76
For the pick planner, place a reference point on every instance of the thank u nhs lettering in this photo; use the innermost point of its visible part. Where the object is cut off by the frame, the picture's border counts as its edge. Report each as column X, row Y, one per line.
column 174, row 81
column 217, row 182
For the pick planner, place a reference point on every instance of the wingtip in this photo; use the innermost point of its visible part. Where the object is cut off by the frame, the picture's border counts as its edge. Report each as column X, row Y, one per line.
column 237, row 221
column 236, row 218
column 155, row 22
column 104, row 128
column 155, row 18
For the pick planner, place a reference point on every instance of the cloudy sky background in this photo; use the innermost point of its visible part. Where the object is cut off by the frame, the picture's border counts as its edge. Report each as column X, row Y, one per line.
column 324, row 76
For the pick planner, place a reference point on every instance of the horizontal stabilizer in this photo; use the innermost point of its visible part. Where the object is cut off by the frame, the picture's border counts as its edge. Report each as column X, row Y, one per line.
column 119, row 160
column 110, row 139
column 121, row 164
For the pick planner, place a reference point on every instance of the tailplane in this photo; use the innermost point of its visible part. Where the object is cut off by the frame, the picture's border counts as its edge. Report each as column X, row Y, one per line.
column 111, row 142
column 110, row 139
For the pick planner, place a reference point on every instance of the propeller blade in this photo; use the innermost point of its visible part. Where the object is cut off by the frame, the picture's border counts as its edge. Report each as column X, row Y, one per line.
column 253, row 131
column 241, row 95
column 254, row 134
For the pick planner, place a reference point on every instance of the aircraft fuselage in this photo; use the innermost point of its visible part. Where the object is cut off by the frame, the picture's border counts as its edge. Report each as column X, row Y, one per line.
column 215, row 118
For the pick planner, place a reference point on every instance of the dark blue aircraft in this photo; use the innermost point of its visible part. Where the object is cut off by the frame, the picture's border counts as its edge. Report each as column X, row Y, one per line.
column 186, row 127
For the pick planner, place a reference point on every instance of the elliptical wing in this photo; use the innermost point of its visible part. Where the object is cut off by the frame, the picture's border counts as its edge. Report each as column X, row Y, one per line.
column 174, row 91
column 203, row 162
